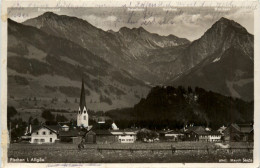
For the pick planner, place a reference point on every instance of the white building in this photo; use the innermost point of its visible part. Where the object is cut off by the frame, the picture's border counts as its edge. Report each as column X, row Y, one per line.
column 44, row 134
column 124, row 136
column 114, row 127
column 214, row 136
column 82, row 117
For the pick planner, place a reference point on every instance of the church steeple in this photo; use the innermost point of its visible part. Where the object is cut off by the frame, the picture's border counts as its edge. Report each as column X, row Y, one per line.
column 82, row 102
column 82, row 117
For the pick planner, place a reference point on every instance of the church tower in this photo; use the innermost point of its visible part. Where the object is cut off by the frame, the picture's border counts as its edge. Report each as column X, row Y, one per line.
column 82, row 117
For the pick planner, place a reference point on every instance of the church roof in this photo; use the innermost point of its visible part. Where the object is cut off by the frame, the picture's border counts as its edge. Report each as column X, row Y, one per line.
column 82, row 102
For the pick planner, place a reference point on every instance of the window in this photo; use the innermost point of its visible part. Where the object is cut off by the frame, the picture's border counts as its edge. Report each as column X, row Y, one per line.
column 50, row 139
column 42, row 140
column 50, row 132
column 85, row 111
column 85, row 117
column 43, row 133
column 37, row 133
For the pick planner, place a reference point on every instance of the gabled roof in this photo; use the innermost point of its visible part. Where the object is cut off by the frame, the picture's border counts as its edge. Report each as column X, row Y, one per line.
column 53, row 128
column 170, row 132
column 214, row 133
column 72, row 133
column 243, row 128
column 102, row 132
column 246, row 128
column 196, row 129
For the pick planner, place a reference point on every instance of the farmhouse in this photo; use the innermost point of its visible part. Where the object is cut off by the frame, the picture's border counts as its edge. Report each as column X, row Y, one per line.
column 221, row 129
column 199, row 133
column 239, row 132
column 44, row 134
column 72, row 135
column 195, row 133
column 90, row 137
column 214, row 136
column 124, row 136
column 171, row 135
column 104, row 136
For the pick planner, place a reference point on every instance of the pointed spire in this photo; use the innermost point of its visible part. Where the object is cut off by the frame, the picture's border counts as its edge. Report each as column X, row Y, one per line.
column 82, row 103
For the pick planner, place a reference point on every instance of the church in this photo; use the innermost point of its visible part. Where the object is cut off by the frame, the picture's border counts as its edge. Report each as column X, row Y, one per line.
column 82, row 116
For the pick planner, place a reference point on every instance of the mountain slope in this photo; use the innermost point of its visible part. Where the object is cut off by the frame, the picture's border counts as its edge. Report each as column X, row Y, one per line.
column 43, row 65
column 127, row 48
column 221, row 61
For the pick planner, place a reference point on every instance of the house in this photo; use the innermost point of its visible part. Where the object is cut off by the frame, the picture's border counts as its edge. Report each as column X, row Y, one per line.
column 90, row 137
column 124, row 136
column 239, row 132
column 195, row 133
column 114, row 127
column 171, row 135
column 214, row 136
column 44, row 134
column 73, row 135
column 221, row 129
column 104, row 136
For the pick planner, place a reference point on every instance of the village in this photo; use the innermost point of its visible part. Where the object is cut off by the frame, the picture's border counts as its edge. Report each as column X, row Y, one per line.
column 83, row 133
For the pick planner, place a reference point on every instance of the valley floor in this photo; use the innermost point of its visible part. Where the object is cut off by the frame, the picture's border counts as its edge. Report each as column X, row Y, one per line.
column 69, row 153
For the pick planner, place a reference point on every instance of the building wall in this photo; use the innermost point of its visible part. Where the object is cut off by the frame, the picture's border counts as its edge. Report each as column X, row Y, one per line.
column 82, row 118
column 43, row 135
column 231, row 134
column 105, row 139
column 214, row 138
column 204, row 138
column 191, row 136
column 126, row 138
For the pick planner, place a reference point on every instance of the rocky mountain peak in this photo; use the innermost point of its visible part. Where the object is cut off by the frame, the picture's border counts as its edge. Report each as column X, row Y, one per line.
column 224, row 24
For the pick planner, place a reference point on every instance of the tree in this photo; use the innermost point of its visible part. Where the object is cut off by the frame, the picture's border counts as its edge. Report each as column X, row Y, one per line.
column 47, row 115
column 30, row 120
column 35, row 121
column 61, row 118
column 11, row 111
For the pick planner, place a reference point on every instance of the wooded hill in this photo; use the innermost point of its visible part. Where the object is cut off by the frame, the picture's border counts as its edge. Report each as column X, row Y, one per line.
column 170, row 107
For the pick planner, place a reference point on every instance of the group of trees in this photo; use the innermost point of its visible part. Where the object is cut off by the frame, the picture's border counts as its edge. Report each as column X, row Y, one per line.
column 175, row 107
column 51, row 118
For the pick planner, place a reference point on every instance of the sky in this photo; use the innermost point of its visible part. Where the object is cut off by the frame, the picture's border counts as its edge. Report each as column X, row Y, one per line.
column 185, row 22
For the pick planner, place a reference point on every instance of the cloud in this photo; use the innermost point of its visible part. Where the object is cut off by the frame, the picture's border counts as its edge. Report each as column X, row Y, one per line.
column 101, row 22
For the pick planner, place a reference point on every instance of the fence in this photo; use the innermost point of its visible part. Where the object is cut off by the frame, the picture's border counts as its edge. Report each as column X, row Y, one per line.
column 173, row 150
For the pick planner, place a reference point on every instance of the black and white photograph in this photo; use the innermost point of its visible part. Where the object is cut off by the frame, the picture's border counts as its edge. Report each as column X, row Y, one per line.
column 138, row 84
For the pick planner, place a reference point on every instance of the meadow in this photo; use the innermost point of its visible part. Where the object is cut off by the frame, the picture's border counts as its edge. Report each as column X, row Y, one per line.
column 69, row 153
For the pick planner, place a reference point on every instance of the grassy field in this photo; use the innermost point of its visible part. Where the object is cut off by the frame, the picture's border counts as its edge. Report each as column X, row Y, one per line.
column 69, row 153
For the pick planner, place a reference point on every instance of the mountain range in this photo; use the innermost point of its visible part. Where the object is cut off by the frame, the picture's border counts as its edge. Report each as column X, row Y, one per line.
column 48, row 55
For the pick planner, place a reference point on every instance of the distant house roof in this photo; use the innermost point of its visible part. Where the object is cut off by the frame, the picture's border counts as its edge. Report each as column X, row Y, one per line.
column 90, row 133
column 243, row 128
column 247, row 128
column 53, row 128
column 214, row 133
column 123, row 132
column 196, row 129
column 222, row 128
column 169, row 132
column 200, row 132
column 72, row 133
column 102, row 132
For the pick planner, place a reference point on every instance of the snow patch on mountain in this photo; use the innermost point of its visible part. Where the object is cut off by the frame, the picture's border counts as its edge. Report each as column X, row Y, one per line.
column 216, row 59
